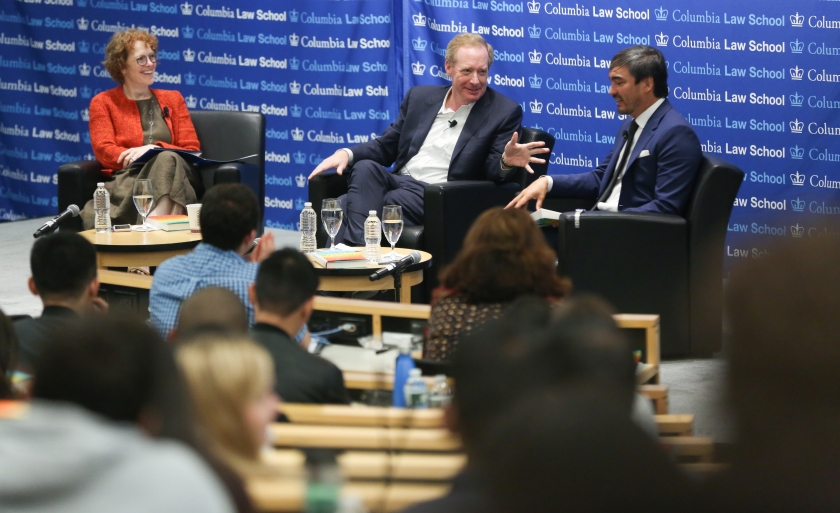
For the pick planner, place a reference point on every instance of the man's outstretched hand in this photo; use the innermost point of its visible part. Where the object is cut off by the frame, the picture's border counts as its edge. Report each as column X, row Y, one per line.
column 337, row 160
column 522, row 155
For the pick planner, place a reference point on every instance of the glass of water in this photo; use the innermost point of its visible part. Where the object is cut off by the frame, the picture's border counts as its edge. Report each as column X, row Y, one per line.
column 331, row 216
column 143, row 196
column 392, row 225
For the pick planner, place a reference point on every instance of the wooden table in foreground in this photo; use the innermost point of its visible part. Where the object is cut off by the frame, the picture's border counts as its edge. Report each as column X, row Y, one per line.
column 139, row 249
column 351, row 280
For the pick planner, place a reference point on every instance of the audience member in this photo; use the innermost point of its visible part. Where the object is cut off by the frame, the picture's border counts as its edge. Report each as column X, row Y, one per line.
column 504, row 257
column 84, row 444
column 783, row 380
column 8, row 356
column 229, row 214
column 211, row 309
column 283, row 299
column 231, row 382
column 63, row 269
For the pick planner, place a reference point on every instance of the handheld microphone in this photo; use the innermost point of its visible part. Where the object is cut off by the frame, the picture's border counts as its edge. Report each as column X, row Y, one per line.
column 52, row 224
column 394, row 267
column 452, row 123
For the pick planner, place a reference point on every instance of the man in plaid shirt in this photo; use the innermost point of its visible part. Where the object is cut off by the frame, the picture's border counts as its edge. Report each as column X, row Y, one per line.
column 229, row 214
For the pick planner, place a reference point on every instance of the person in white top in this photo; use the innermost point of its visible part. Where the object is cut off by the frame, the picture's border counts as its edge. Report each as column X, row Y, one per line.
column 464, row 132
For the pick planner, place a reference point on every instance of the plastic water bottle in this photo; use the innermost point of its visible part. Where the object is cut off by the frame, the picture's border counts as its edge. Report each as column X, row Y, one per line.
column 101, row 208
column 416, row 391
column 403, row 367
column 441, row 394
column 308, row 225
column 373, row 236
column 323, row 483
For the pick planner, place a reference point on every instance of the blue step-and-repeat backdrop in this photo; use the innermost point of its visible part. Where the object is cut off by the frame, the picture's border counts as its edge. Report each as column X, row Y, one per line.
column 760, row 82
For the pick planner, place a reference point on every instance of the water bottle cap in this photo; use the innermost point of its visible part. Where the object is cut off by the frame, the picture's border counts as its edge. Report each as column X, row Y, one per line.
column 307, row 204
column 372, row 213
column 101, row 184
column 414, row 373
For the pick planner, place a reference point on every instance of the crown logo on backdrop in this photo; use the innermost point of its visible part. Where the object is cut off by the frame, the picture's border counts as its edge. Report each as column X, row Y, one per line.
column 294, row 86
column 85, row 113
column 419, row 44
column 84, row 69
column 188, row 32
column 661, row 13
column 300, row 157
column 300, row 180
column 797, row 231
column 534, row 31
column 82, row 3
column 82, row 23
column 419, row 19
column 796, row 46
column 86, row 137
column 293, row 16
column 294, row 63
column 796, row 100
column 293, row 39
column 534, row 7
column 796, row 73
column 86, row 92
column 296, row 110
column 189, row 55
column 796, row 152
column 796, row 126
column 535, row 81
column 297, row 134
column 797, row 178
column 796, row 20
column 189, row 78
column 192, row 101
column 299, row 204
column 661, row 39
column 84, row 46
column 535, row 56
column 536, row 107
column 798, row 205
column 186, row 8
column 418, row 68
column 89, row 156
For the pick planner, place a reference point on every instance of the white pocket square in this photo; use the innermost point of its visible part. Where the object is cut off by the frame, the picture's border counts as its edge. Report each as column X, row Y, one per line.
column 644, row 153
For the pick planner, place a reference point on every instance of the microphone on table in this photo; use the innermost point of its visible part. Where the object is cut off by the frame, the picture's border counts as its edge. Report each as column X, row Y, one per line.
column 52, row 224
column 452, row 123
column 394, row 267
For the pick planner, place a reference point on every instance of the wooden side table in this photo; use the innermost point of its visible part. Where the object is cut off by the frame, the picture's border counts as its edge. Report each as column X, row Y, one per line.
column 139, row 249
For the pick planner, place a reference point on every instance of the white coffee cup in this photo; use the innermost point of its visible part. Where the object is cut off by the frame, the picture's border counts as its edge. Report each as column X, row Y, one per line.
column 193, row 211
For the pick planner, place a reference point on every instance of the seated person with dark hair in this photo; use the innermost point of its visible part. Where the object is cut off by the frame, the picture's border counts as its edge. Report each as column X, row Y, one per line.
column 63, row 269
column 283, row 299
column 212, row 309
column 229, row 214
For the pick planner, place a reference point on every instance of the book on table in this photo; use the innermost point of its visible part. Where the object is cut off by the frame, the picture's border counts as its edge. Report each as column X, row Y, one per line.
column 546, row 217
column 175, row 223
column 339, row 258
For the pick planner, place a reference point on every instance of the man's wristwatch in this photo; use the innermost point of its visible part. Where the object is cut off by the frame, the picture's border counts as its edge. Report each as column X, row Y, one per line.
column 504, row 162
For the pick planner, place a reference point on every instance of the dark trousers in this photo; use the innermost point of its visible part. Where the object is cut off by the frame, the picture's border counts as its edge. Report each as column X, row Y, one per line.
column 370, row 187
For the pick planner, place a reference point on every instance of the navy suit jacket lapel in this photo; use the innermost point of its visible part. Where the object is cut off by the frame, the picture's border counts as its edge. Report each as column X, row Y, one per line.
column 431, row 106
column 475, row 120
column 616, row 153
column 647, row 132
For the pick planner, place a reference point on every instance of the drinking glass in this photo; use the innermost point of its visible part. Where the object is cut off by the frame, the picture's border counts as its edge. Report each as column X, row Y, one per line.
column 143, row 196
column 331, row 216
column 392, row 225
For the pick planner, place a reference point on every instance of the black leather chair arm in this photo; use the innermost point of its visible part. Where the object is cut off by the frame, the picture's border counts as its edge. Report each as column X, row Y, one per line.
column 76, row 183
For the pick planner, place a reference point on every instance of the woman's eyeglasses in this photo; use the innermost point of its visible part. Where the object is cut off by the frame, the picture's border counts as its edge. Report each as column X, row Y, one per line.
column 142, row 61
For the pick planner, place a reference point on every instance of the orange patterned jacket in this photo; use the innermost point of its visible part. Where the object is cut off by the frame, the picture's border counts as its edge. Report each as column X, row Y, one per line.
column 115, row 125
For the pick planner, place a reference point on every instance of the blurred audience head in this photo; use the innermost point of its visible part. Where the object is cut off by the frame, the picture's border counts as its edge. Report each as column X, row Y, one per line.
column 285, row 285
column 8, row 356
column 120, row 47
column 229, row 214
column 63, row 269
column 119, row 368
column 211, row 309
column 505, row 256
column 231, row 382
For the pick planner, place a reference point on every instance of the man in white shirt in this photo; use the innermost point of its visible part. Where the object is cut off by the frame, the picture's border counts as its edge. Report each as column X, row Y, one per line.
column 463, row 132
column 653, row 164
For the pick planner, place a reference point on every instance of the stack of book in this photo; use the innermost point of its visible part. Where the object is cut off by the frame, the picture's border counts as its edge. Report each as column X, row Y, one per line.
column 338, row 258
column 169, row 223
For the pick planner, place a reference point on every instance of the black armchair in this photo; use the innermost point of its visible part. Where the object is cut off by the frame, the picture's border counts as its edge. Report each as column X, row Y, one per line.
column 658, row 263
column 450, row 209
column 223, row 136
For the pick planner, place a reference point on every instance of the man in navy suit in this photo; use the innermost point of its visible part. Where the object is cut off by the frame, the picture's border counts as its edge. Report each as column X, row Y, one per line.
column 463, row 132
column 654, row 162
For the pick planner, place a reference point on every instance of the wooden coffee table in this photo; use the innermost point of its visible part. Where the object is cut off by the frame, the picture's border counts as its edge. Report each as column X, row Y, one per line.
column 350, row 280
column 139, row 249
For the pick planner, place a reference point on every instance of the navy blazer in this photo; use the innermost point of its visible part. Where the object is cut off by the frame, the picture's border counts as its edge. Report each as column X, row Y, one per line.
column 659, row 182
column 478, row 152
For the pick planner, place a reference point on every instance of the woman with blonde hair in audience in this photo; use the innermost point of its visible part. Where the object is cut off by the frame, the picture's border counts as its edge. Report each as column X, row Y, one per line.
column 504, row 257
column 231, row 382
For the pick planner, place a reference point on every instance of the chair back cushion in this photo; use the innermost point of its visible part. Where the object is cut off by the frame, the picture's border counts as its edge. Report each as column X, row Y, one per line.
column 530, row 135
column 228, row 135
